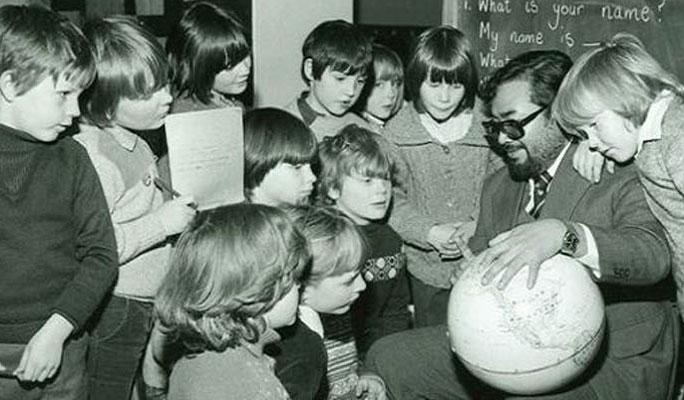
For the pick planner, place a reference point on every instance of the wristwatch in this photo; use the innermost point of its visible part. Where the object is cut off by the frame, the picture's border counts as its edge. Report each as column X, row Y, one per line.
column 571, row 240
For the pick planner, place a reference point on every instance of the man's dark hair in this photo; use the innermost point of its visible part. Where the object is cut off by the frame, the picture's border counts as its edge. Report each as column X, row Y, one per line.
column 543, row 69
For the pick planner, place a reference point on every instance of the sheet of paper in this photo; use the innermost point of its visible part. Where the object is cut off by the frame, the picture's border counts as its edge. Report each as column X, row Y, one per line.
column 206, row 155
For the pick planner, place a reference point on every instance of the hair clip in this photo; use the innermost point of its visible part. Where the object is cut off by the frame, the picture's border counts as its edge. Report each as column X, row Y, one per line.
column 608, row 44
column 341, row 143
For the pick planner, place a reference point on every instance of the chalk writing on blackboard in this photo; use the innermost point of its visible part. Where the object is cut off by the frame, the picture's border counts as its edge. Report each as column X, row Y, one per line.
column 501, row 29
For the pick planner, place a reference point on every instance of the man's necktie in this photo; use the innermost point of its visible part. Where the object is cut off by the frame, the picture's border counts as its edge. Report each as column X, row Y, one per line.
column 541, row 184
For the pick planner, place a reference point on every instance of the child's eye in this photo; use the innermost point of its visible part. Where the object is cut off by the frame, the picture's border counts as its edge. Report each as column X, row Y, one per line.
column 361, row 81
column 457, row 85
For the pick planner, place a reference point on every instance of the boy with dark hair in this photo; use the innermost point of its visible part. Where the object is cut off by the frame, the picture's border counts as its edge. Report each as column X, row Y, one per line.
column 57, row 246
column 337, row 57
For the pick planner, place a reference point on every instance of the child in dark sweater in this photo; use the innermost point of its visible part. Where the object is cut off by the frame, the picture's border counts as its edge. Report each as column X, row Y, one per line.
column 356, row 178
column 57, row 247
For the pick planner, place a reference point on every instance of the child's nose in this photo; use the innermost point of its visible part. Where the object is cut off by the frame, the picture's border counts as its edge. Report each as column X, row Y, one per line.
column 444, row 93
column 593, row 141
column 310, row 177
column 73, row 109
column 245, row 65
column 392, row 92
column 165, row 95
column 350, row 87
column 359, row 284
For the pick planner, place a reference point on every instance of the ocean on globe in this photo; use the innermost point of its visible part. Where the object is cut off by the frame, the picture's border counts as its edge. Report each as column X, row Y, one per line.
column 527, row 341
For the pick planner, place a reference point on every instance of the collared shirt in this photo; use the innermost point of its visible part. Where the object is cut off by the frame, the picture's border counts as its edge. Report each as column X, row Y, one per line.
column 311, row 319
column 651, row 129
column 591, row 258
column 451, row 130
column 126, row 167
column 309, row 115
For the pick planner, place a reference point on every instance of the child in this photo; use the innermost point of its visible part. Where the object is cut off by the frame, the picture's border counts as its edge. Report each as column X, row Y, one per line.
column 619, row 99
column 337, row 57
column 383, row 97
column 330, row 288
column 447, row 158
column 279, row 150
column 210, row 59
column 130, row 93
column 57, row 249
column 233, row 279
column 356, row 178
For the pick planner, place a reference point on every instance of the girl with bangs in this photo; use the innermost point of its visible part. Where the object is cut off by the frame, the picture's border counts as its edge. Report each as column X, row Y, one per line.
column 447, row 158
column 383, row 96
column 210, row 59
column 233, row 279
column 356, row 178
column 623, row 104
column 130, row 93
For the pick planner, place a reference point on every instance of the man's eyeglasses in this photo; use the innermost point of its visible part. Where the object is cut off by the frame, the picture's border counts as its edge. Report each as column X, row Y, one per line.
column 511, row 128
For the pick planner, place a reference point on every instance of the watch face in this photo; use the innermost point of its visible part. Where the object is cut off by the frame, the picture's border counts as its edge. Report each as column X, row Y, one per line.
column 570, row 242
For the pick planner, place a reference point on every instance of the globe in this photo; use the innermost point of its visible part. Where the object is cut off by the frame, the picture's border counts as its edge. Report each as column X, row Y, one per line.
column 527, row 341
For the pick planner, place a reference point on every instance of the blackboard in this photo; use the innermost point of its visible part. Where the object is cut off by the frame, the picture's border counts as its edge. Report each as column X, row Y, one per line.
column 502, row 29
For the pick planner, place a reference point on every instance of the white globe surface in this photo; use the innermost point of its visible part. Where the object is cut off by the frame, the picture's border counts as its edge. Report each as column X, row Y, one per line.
column 527, row 341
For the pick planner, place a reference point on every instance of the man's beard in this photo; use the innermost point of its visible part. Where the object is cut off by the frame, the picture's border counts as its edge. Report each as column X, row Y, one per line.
column 540, row 154
column 519, row 171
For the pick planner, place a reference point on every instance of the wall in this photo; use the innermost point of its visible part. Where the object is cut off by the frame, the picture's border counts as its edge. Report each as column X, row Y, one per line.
column 398, row 12
column 279, row 28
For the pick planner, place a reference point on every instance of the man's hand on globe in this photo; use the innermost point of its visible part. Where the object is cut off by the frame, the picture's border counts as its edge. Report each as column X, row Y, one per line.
column 525, row 245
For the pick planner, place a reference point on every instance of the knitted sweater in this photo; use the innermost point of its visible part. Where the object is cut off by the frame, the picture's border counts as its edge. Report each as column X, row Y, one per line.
column 57, row 249
column 442, row 184
column 326, row 125
column 661, row 172
column 240, row 373
column 126, row 167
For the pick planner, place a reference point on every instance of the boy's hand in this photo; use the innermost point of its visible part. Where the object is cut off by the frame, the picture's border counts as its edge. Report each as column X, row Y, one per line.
column 589, row 163
column 176, row 214
column 371, row 387
column 154, row 374
column 43, row 354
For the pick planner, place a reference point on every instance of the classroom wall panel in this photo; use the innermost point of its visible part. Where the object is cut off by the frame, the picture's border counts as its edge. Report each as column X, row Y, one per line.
column 279, row 28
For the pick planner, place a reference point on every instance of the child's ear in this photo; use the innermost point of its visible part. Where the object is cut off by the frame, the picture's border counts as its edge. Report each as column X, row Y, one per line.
column 308, row 69
column 8, row 89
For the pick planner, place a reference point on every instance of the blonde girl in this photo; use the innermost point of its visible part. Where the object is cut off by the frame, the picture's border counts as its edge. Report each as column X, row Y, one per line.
column 620, row 100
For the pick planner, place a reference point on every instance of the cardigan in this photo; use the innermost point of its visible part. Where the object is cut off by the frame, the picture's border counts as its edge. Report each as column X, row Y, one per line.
column 661, row 173
column 126, row 167
column 441, row 184
column 325, row 125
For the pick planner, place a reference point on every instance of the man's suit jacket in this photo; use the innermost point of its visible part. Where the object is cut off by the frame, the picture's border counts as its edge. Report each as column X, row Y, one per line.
column 633, row 255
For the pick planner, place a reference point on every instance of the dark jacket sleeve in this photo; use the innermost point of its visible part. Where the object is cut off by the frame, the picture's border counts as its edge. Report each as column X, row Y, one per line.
column 633, row 250
column 95, row 245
